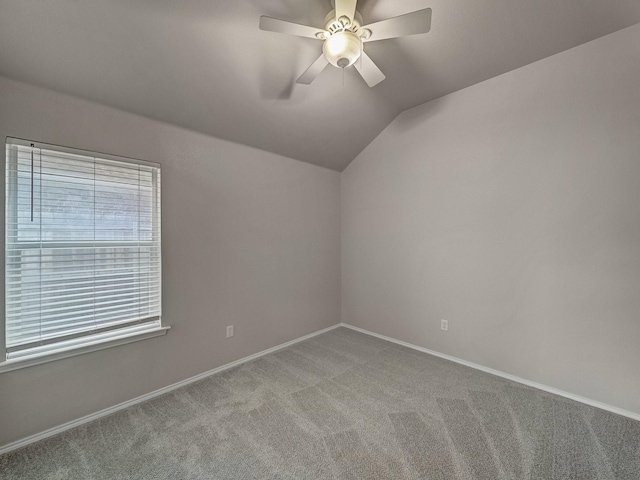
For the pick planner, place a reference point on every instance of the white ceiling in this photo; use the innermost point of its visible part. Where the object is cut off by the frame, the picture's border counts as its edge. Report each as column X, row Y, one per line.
column 204, row 64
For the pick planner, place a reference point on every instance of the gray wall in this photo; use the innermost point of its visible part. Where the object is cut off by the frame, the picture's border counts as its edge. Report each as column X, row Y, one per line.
column 249, row 238
column 511, row 209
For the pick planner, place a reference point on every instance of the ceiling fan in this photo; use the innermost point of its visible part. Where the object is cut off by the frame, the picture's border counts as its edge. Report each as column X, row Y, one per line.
column 344, row 36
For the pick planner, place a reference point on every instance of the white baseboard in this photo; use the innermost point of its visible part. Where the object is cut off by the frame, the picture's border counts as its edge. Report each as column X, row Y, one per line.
column 498, row 373
column 148, row 396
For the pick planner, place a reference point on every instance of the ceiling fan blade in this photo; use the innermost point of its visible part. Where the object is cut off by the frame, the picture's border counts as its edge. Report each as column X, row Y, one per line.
column 403, row 25
column 369, row 70
column 271, row 24
column 345, row 8
column 313, row 71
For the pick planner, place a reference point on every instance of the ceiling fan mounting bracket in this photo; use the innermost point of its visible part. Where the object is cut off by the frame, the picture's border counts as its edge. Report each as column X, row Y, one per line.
column 344, row 23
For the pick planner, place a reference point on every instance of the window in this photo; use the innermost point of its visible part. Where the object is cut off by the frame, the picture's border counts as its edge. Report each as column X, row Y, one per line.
column 82, row 255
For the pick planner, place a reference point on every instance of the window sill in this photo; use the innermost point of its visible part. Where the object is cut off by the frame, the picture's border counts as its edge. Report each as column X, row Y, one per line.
column 86, row 347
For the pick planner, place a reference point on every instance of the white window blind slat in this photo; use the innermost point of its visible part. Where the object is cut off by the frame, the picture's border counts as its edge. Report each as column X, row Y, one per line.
column 120, row 272
column 82, row 246
column 34, row 294
column 91, row 305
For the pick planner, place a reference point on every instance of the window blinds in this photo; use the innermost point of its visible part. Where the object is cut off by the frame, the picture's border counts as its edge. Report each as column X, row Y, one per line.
column 82, row 245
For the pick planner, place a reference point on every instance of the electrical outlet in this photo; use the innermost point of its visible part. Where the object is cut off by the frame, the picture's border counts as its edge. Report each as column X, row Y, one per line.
column 230, row 331
column 444, row 325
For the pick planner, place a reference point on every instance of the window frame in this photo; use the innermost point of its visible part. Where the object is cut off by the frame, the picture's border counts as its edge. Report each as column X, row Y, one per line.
column 82, row 344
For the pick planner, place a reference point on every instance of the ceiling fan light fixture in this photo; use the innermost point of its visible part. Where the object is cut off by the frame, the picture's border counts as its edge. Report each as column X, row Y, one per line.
column 342, row 49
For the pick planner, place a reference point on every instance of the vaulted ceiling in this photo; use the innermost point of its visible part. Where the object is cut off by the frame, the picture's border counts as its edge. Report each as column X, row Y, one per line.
column 204, row 65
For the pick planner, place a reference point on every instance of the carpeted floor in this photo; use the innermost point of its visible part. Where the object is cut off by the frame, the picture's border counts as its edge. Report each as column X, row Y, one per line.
column 343, row 405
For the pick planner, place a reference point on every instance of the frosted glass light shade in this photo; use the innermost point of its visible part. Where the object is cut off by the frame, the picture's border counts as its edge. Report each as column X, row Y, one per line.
column 342, row 49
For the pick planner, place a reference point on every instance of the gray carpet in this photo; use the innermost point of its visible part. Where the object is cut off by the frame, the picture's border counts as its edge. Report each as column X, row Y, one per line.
column 343, row 405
